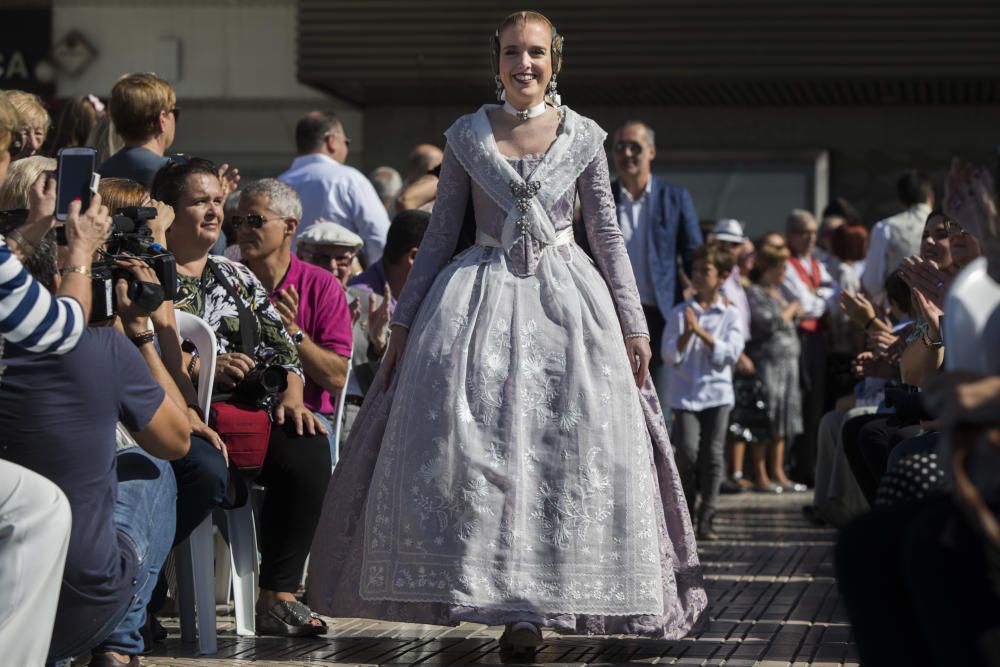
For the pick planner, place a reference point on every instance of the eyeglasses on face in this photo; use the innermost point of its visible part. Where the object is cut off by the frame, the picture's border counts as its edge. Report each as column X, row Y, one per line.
column 326, row 258
column 176, row 111
column 252, row 220
column 633, row 147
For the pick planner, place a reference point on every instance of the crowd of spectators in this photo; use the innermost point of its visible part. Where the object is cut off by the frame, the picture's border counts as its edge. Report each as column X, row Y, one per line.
column 817, row 350
column 96, row 499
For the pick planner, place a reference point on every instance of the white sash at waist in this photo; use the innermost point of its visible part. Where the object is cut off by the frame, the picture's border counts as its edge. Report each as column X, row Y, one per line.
column 562, row 238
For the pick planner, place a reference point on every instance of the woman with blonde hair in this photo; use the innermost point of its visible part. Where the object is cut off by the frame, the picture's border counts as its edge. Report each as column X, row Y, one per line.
column 510, row 464
column 21, row 175
column 33, row 122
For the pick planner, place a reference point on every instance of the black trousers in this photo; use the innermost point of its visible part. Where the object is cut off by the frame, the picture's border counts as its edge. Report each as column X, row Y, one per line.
column 812, row 382
column 868, row 440
column 921, row 586
column 296, row 471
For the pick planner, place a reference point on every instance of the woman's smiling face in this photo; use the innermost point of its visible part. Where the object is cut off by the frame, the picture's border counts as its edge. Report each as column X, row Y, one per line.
column 525, row 62
column 934, row 244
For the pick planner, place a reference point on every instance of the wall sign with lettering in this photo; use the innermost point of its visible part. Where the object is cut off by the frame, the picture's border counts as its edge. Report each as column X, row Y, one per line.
column 25, row 43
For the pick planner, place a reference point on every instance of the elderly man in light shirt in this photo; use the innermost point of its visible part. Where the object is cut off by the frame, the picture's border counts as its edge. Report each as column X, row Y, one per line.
column 896, row 238
column 331, row 190
column 809, row 283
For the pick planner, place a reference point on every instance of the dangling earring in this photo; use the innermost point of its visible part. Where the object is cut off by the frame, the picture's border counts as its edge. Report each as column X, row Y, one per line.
column 501, row 95
column 553, row 93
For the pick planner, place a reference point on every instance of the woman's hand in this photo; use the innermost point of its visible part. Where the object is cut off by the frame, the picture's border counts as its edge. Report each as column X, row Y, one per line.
column 231, row 368
column 86, row 230
column 41, row 208
column 881, row 341
column 639, row 356
column 378, row 320
column 930, row 312
column 161, row 223
column 926, row 276
column 970, row 201
column 292, row 407
column 230, row 179
column 203, row 430
column 393, row 354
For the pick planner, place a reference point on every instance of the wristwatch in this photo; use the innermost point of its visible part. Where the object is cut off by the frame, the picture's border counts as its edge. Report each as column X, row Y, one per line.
column 298, row 337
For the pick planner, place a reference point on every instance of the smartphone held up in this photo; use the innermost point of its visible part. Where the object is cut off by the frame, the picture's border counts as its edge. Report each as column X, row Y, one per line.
column 75, row 179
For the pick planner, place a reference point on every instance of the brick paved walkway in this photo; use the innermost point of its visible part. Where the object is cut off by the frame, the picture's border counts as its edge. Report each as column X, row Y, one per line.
column 773, row 603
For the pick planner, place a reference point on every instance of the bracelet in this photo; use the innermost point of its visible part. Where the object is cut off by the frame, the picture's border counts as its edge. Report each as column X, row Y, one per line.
column 23, row 244
column 143, row 338
column 82, row 270
column 192, row 370
column 931, row 344
column 869, row 322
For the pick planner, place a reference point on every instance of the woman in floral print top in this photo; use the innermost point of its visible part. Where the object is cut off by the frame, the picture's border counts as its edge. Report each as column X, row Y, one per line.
column 296, row 469
column 205, row 297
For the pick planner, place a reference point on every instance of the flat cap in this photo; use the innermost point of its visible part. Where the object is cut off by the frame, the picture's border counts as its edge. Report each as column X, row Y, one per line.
column 330, row 233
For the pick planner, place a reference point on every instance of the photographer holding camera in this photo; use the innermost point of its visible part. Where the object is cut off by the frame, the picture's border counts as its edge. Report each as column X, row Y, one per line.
column 123, row 503
column 296, row 466
column 202, row 474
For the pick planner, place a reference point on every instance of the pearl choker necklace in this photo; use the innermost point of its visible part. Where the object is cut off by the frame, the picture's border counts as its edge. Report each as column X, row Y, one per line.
column 530, row 112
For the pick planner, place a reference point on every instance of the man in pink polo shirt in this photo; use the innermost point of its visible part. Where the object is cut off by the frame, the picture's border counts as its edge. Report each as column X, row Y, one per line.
column 312, row 304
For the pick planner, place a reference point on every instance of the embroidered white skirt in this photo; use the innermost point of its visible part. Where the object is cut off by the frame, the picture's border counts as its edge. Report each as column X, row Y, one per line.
column 515, row 475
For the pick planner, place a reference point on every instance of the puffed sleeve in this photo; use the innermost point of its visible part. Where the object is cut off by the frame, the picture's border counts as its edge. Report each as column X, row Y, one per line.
column 439, row 240
column 608, row 246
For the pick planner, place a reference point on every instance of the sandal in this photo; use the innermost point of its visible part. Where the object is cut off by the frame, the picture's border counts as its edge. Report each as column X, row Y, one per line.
column 289, row 618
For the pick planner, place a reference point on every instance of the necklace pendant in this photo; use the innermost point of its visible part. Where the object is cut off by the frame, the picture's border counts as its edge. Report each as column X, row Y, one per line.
column 524, row 115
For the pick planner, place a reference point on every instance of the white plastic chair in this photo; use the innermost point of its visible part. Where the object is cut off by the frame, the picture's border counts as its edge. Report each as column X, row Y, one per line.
column 195, row 557
column 972, row 321
column 338, row 424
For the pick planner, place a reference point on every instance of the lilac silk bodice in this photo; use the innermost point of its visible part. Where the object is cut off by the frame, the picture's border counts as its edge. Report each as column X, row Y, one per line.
column 599, row 216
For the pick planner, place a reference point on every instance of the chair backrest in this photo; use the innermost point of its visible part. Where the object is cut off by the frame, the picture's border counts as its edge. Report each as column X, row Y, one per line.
column 338, row 424
column 193, row 328
column 972, row 321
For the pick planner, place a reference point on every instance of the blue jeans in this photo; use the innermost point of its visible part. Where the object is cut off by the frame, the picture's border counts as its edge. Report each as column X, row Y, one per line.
column 331, row 436
column 145, row 513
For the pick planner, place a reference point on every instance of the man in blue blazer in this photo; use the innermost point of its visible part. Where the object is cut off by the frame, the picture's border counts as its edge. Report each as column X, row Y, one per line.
column 660, row 226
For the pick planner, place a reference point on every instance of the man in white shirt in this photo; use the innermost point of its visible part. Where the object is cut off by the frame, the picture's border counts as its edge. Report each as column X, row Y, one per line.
column 898, row 237
column 808, row 282
column 331, row 190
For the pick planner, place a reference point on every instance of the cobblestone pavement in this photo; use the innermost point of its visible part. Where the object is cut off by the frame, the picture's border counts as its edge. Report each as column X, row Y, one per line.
column 773, row 603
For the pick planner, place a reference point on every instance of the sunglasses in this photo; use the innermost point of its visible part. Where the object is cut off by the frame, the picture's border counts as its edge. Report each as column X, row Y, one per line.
column 632, row 146
column 252, row 220
column 176, row 111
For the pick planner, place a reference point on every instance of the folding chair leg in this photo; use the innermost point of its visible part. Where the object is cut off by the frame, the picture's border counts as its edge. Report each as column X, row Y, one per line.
column 243, row 547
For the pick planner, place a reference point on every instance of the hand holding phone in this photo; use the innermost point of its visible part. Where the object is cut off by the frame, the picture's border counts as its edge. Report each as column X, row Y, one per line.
column 75, row 179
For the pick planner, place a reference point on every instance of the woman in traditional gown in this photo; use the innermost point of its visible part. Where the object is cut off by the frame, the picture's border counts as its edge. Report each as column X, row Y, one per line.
column 510, row 464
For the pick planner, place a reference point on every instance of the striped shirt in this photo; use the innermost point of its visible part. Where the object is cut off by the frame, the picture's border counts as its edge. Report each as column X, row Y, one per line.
column 30, row 317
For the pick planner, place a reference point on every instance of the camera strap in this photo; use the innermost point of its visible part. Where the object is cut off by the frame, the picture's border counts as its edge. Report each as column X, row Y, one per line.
column 248, row 323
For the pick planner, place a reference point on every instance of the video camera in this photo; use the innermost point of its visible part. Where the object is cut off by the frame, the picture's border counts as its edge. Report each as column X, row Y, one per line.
column 131, row 237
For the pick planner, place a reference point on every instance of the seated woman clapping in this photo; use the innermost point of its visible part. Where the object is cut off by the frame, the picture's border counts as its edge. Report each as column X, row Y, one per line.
column 296, row 468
